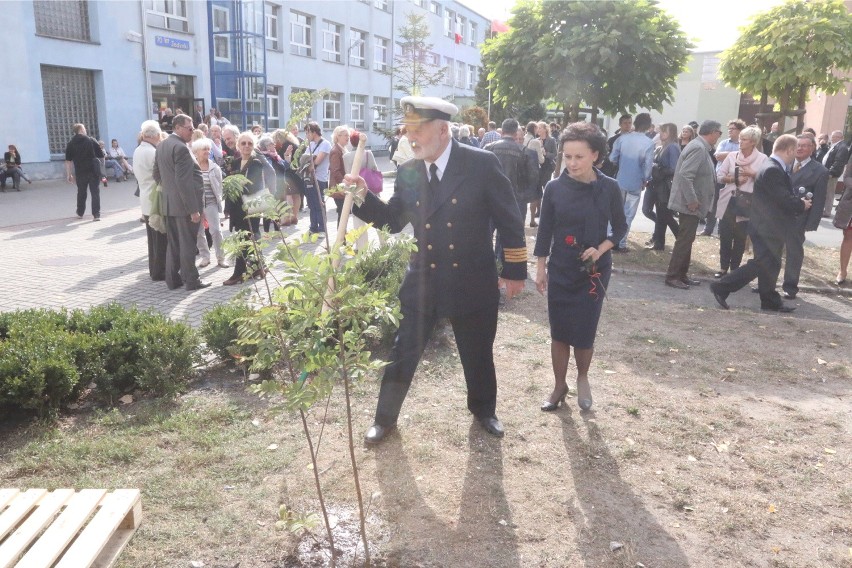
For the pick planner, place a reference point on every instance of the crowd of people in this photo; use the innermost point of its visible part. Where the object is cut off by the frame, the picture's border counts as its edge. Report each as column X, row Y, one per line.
column 456, row 187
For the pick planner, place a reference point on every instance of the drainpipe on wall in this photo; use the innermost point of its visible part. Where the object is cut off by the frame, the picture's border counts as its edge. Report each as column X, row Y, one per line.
column 148, row 99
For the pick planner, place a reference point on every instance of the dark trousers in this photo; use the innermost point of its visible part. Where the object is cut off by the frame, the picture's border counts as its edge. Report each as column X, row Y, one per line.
column 794, row 246
column 157, row 245
column 682, row 250
column 710, row 221
column 315, row 198
column 182, row 235
column 732, row 240
column 664, row 220
column 474, row 334
column 765, row 266
column 649, row 201
column 247, row 257
column 92, row 183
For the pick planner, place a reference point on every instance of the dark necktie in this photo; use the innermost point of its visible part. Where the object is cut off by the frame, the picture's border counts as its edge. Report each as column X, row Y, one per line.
column 797, row 167
column 434, row 182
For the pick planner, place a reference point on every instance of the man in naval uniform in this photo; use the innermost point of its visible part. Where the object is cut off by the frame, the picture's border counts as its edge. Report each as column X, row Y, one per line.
column 450, row 193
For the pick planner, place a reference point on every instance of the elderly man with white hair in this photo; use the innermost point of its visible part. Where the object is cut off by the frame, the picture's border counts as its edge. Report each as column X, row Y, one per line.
column 451, row 194
column 143, row 160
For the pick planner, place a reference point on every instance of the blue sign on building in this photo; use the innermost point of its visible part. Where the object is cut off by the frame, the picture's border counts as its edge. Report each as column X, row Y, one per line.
column 172, row 42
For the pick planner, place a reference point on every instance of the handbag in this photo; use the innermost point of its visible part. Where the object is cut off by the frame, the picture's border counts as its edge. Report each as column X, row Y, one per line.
column 374, row 179
column 257, row 202
column 742, row 200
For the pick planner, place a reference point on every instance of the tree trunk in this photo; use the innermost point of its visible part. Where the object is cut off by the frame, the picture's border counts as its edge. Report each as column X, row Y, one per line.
column 800, row 120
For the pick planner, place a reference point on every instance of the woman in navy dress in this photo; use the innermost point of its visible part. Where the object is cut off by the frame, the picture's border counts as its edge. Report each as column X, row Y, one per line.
column 575, row 211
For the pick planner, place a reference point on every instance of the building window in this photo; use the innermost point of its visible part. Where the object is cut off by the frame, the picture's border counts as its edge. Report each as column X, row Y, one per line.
column 273, row 33
column 472, row 76
column 380, row 111
column 380, row 53
column 433, row 59
column 331, row 111
column 273, row 109
column 66, row 20
column 381, row 5
column 300, row 34
column 168, row 14
column 449, row 23
column 461, row 27
column 460, row 72
column 474, row 34
column 221, row 42
column 435, row 8
column 418, row 3
column 449, row 71
column 69, row 97
column 357, row 48
column 357, row 110
column 331, row 33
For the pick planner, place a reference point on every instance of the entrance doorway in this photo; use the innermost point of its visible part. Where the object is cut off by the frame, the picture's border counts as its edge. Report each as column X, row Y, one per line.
column 172, row 92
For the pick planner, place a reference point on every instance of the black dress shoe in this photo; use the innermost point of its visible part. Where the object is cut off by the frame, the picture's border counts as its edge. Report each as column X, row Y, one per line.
column 782, row 309
column 492, row 426
column 720, row 296
column 198, row 286
column 654, row 246
column 677, row 284
column 376, row 433
column 720, row 274
column 691, row 281
column 789, row 295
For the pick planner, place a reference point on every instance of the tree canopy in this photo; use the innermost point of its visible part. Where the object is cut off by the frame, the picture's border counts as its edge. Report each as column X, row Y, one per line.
column 412, row 69
column 790, row 49
column 612, row 56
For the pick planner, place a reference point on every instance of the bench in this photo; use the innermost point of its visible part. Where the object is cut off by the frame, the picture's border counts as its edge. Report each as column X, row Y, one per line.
column 66, row 528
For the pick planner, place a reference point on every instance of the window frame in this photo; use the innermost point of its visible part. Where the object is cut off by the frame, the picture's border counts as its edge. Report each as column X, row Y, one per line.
column 307, row 32
column 361, row 105
column 273, row 93
column 333, row 99
column 152, row 9
column 380, row 61
column 272, row 16
column 216, row 37
column 332, row 56
column 361, row 59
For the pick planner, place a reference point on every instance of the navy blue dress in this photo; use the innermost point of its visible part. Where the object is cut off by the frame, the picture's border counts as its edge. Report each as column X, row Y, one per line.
column 574, row 216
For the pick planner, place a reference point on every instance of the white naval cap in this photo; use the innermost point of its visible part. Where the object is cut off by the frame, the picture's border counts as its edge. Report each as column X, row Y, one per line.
column 423, row 109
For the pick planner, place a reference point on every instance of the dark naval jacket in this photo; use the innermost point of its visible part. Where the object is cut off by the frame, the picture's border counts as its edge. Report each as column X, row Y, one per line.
column 454, row 270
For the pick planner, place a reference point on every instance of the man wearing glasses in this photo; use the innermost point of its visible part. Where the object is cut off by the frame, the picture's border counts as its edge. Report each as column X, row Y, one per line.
column 693, row 188
column 180, row 178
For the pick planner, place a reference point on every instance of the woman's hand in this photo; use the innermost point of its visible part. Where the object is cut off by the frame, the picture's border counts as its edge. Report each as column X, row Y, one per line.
column 591, row 252
column 541, row 279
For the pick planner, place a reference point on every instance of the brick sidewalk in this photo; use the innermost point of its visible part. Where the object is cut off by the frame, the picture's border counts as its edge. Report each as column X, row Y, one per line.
column 76, row 263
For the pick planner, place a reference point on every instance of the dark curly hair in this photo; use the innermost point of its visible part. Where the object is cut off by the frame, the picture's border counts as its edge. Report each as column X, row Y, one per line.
column 585, row 132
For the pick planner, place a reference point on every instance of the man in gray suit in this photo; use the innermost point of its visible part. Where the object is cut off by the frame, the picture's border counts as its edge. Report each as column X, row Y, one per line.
column 809, row 176
column 693, row 190
column 180, row 177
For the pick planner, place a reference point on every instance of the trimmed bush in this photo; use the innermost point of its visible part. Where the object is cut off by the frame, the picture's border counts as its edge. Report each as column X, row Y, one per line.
column 46, row 357
column 220, row 329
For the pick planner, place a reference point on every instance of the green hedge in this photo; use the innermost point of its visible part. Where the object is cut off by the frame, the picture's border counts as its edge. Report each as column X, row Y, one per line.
column 47, row 357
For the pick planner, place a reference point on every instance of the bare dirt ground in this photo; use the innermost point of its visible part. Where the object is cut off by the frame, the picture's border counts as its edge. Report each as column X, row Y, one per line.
column 717, row 439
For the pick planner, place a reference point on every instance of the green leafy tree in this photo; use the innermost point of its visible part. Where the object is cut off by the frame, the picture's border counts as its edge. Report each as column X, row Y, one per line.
column 789, row 50
column 611, row 56
column 412, row 71
column 302, row 104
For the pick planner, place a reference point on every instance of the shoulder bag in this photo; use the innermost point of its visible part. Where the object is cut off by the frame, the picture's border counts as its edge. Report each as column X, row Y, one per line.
column 742, row 200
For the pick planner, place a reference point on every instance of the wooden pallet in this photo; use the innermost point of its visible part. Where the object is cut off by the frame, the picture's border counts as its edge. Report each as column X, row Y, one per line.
column 66, row 528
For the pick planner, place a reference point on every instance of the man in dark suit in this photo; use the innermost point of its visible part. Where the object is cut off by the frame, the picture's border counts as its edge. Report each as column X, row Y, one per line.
column 82, row 152
column 774, row 208
column 183, row 195
column 451, row 193
column 835, row 160
column 809, row 176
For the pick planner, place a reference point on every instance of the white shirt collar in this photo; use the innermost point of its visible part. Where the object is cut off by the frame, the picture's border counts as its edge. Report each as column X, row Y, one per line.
column 442, row 160
column 802, row 163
